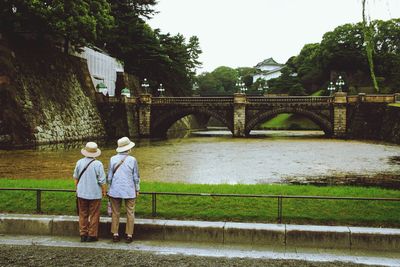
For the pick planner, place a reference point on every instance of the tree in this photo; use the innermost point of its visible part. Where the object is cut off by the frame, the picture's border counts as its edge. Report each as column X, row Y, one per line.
column 368, row 32
column 147, row 53
column 208, row 84
column 287, row 83
column 183, row 61
column 227, row 78
column 76, row 22
column 246, row 74
column 307, row 66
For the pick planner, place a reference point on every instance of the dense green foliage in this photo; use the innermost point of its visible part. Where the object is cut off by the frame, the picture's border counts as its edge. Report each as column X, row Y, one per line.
column 118, row 27
column 147, row 53
column 223, row 81
column 225, row 208
column 343, row 52
column 76, row 22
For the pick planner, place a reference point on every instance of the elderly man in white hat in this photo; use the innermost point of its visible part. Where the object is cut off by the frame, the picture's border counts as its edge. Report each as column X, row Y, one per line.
column 90, row 183
column 124, row 184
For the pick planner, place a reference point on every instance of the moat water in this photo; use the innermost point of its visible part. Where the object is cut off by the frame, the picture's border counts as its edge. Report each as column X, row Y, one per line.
column 214, row 157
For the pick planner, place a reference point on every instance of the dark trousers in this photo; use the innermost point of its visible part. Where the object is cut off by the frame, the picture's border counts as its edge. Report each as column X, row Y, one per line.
column 89, row 216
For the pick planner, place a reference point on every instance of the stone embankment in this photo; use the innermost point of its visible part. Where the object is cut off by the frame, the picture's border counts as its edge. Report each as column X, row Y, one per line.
column 45, row 96
column 257, row 234
column 375, row 122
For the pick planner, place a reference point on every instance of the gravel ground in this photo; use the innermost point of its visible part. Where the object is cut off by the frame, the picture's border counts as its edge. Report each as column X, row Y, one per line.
column 56, row 256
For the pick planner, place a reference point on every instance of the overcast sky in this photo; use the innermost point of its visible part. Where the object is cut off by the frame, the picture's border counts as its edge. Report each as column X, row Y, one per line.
column 238, row 33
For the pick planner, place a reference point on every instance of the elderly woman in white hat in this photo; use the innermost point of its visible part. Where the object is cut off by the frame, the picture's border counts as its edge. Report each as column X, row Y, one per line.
column 90, row 183
column 124, row 184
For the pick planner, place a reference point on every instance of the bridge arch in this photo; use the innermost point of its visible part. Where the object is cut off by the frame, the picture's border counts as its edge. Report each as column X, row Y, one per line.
column 318, row 119
column 161, row 124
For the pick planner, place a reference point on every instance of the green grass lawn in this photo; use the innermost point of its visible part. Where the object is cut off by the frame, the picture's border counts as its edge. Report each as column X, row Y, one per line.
column 330, row 212
column 395, row 105
column 288, row 121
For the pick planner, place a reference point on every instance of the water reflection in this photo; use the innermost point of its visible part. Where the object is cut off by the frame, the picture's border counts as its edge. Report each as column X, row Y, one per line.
column 214, row 158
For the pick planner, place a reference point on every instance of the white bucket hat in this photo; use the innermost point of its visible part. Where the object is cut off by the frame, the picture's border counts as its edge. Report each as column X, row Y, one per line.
column 91, row 150
column 124, row 144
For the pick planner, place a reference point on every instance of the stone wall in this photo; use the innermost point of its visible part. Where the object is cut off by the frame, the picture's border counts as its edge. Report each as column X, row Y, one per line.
column 45, row 96
column 374, row 121
column 120, row 117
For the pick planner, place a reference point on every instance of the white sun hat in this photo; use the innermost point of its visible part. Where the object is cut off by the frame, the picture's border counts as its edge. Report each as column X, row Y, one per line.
column 124, row 144
column 91, row 150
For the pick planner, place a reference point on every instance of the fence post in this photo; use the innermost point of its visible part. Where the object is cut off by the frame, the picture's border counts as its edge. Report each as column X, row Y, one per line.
column 38, row 201
column 154, row 204
column 279, row 209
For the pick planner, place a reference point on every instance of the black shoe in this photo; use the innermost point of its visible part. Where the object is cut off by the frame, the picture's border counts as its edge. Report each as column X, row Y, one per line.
column 84, row 238
column 92, row 239
column 128, row 239
column 116, row 238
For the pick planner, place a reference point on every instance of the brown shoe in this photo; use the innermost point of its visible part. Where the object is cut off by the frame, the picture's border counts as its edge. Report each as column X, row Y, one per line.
column 128, row 239
column 116, row 238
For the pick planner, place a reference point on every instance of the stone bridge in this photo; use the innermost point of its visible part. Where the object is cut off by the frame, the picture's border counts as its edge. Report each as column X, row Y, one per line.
column 241, row 113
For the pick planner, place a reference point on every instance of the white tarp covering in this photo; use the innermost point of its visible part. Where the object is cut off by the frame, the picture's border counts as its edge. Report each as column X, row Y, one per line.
column 102, row 67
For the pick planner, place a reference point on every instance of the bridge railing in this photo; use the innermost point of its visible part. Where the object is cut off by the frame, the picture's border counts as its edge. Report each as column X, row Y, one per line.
column 291, row 99
column 191, row 100
column 371, row 98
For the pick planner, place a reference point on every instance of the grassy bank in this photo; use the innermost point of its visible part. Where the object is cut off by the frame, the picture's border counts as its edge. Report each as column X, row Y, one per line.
column 331, row 212
column 287, row 121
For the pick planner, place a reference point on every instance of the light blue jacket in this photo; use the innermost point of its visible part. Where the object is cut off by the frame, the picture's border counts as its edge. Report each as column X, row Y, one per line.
column 89, row 186
column 126, row 180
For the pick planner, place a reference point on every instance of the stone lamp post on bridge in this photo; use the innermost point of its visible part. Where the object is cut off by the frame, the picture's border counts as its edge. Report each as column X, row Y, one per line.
column 126, row 92
column 145, row 85
column 260, row 89
column 161, row 90
column 239, row 109
column 340, row 110
column 331, row 88
column 241, row 86
column 244, row 88
column 195, row 89
column 102, row 88
column 339, row 83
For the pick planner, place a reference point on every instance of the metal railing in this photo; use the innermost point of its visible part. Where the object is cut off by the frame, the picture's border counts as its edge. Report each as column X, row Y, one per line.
column 279, row 198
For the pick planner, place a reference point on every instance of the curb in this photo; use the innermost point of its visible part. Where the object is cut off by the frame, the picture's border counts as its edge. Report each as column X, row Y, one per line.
column 276, row 235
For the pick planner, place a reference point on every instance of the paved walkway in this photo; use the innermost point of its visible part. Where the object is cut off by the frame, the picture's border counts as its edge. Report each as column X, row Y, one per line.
column 356, row 245
column 215, row 250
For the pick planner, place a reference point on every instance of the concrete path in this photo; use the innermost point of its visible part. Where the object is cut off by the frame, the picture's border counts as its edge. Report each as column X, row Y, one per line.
column 216, row 250
column 373, row 246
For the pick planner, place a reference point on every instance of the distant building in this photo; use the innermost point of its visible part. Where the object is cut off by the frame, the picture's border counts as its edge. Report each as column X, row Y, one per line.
column 103, row 69
column 268, row 69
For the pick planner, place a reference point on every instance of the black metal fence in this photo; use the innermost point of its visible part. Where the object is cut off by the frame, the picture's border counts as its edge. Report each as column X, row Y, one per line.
column 279, row 198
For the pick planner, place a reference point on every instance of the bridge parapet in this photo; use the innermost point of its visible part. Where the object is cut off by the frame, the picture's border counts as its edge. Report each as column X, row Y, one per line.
column 290, row 99
column 100, row 98
column 191, row 100
column 380, row 98
column 371, row 98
